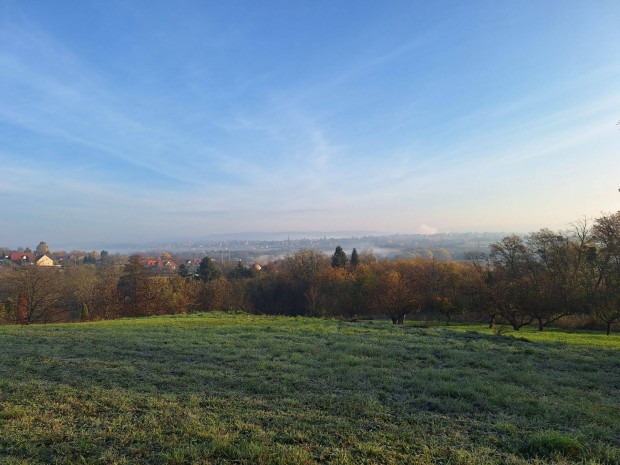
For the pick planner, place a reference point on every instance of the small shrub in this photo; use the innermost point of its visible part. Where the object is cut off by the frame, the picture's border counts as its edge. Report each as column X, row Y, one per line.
column 425, row 324
column 500, row 330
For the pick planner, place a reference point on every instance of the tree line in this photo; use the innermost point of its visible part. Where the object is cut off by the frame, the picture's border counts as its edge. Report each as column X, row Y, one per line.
column 539, row 278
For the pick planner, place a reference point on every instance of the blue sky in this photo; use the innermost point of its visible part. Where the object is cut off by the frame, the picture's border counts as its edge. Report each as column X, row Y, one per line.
column 151, row 120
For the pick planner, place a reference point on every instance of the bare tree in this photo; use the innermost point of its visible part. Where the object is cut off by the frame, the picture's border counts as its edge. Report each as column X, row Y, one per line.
column 38, row 291
column 606, row 290
column 607, row 307
column 106, row 301
column 557, row 272
column 393, row 291
column 479, row 286
column 510, row 260
column 80, row 284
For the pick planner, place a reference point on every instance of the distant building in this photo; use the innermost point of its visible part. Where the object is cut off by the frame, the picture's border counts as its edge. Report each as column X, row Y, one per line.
column 21, row 258
column 166, row 264
column 44, row 260
column 159, row 264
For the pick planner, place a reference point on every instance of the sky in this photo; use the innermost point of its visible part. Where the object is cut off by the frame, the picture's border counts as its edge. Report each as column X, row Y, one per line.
column 152, row 120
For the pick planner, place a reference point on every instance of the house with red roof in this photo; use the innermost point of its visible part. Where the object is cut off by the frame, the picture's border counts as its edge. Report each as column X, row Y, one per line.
column 20, row 258
column 166, row 265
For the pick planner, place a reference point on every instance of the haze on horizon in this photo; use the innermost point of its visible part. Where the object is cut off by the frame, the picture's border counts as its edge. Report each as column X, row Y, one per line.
column 148, row 120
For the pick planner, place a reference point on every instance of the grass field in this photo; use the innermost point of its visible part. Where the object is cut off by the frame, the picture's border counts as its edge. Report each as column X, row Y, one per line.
column 221, row 388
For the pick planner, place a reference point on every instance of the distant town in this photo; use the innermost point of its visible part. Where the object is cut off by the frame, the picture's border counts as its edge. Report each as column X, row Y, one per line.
column 168, row 255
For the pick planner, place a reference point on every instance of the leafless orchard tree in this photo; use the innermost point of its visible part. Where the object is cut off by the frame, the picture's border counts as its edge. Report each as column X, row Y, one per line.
column 606, row 292
column 38, row 292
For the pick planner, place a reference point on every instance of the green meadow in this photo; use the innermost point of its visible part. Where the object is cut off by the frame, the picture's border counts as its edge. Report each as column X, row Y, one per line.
column 233, row 388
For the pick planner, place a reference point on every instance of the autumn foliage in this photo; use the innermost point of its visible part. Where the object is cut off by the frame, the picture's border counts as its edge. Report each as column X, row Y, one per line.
column 539, row 278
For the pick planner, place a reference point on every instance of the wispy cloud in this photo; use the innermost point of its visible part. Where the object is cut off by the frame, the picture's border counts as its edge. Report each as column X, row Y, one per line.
column 190, row 131
column 75, row 105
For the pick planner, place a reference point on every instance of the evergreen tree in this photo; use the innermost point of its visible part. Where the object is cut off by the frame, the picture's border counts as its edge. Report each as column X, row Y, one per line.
column 208, row 271
column 240, row 271
column 133, row 277
column 339, row 259
column 42, row 249
column 355, row 258
column 184, row 271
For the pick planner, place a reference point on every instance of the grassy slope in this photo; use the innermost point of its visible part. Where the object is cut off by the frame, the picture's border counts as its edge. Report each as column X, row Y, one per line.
column 243, row 389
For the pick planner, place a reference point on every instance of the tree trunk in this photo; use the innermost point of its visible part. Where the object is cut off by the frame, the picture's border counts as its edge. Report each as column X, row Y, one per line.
column 608, row 328
column 21, row 311
column 492, row 321
column 541, row 326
